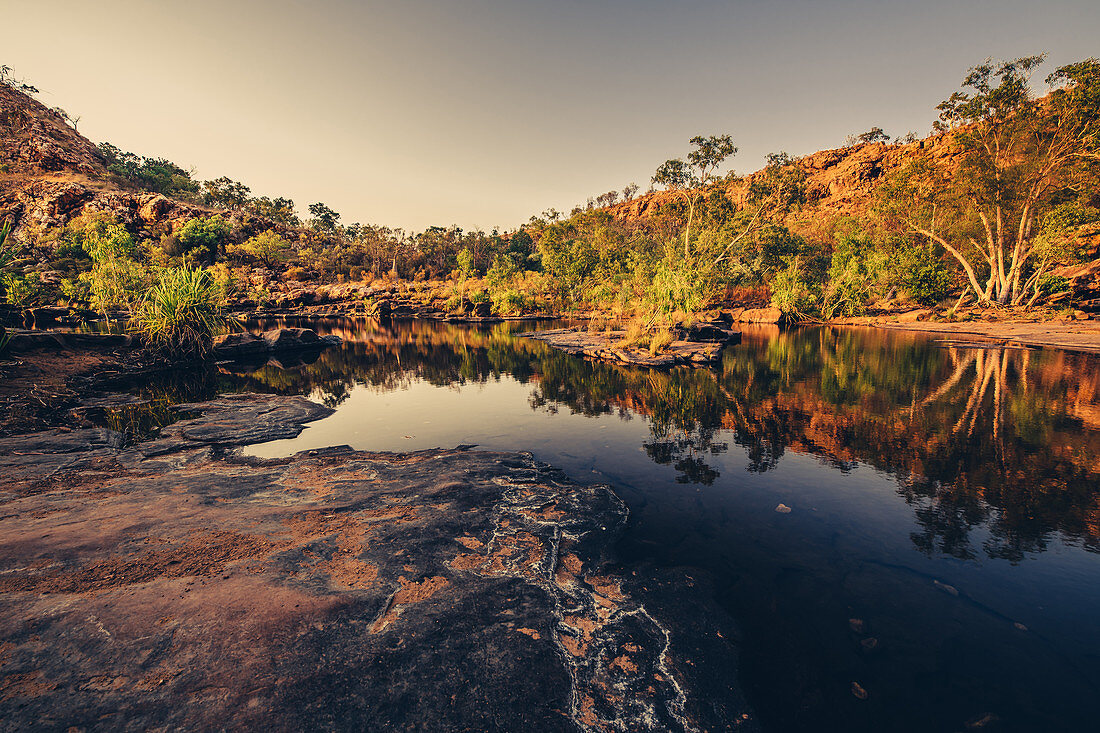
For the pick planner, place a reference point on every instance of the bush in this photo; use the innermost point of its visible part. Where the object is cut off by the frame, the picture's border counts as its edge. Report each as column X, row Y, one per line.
column 680, row 287
column 181, row 313
column 200, row 237
column 925, row 277
column 509, row 302
column 74, row 291
column 854, row 270
column 792, row 295
column 659, row 341
column 20, row 291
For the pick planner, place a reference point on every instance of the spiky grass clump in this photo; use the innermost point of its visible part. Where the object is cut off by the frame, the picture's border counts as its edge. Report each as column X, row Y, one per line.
column 182, row 312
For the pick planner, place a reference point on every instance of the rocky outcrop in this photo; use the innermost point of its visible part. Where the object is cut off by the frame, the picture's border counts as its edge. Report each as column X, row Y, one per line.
column 34, row 138
column 176, row 584
column 837, row 182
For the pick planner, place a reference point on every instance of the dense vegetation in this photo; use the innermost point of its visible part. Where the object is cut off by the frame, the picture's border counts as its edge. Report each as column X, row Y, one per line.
column 990, row 227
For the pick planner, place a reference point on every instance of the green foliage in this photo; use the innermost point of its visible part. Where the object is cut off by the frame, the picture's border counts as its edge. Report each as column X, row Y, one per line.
column 465, row 263
column 509, row 301
column 324, row 218
column 925, row 276
column 19, row 291
column 267, row 247
column 74, row 291
column 793, row 294
column 115, row 283
column 280, row 210
column 501, row 273
column 150, row 174
column 199, row 237
column 181, row 312
column 680, row 286
column 225, row 193
column 105, row 240
column 854, row 270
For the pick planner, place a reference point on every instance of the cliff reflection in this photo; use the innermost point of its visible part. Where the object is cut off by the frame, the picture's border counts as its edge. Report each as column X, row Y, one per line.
column 1007, row 439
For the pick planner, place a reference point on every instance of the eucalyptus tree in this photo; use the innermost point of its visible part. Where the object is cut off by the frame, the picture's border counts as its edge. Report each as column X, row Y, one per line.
column 686, row 179
column 1019, row 156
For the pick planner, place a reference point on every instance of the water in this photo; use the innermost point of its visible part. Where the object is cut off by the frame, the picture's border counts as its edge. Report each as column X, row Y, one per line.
column 941, row 545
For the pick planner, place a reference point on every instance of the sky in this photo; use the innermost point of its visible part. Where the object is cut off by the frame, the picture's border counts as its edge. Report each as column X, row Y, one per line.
column 481, row 113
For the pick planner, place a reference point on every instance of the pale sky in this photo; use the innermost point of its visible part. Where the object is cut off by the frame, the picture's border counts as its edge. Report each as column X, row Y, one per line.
column 481, row 113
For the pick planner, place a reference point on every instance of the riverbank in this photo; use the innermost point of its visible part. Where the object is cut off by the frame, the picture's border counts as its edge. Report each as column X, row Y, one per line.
column 1071, row 336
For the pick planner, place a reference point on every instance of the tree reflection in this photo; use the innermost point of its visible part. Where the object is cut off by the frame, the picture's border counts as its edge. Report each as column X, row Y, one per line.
column 1007, row 439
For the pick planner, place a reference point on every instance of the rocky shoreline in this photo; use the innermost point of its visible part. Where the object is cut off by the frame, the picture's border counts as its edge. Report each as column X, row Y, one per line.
column 176, row 583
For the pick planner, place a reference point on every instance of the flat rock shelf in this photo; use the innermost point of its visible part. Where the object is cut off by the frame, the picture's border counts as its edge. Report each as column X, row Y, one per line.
column 605, row 346
column 177, row 584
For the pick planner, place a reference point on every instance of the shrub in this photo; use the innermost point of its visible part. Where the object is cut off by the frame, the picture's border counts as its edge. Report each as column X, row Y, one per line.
column 181, row 313
column 509, row 302
column 296, row 273
column 680, row 286
column 74, row 291
column 20, row 291
column 659, row 341
column 481, row 296
column 854, row 270
column 792, row 295
column 925, row 277
column 115, row 283
column 200, row 237
column 268, row 248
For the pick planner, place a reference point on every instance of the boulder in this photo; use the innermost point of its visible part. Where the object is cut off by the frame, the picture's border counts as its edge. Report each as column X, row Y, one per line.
column 239, row 346
column 285, row 339
column 713, row 331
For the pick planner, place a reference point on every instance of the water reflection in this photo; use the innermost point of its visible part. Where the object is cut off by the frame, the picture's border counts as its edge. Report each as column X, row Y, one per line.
column 1002, row 438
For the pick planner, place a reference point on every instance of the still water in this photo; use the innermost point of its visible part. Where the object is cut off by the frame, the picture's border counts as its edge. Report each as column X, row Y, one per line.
column 941, row 544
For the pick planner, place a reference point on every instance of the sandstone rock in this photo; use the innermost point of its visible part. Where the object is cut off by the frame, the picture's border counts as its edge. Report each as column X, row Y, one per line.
column 154, row 208
column 921, row 314
column 714, row 331
column 756, row 315
column 283, row 339
column 239, row 346
column 316, row 591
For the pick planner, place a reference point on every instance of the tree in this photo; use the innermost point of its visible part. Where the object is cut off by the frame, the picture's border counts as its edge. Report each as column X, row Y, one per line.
column 225, row 193
column 629, row 191
column 324, row 217
column 7, row 78
column 278, row 209
column 1019, row 157
column 685, row 179
column 874, row 135
column 268, row 248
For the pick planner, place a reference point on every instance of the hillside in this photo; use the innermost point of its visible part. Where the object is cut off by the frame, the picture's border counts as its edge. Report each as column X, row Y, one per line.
column 50, row 174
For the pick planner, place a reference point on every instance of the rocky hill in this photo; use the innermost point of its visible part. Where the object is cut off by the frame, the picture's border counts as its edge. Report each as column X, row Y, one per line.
column 838, row 182
column 50, row 174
